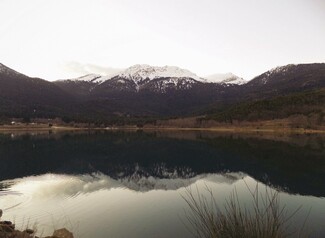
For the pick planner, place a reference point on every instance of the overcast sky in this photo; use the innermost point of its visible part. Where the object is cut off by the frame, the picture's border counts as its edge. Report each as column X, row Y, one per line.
column 56, row 39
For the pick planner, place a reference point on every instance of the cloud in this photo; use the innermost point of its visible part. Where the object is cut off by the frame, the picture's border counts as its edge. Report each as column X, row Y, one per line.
column 79, row 69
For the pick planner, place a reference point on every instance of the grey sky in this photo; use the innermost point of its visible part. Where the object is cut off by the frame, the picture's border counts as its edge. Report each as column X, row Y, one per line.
column 51, row 38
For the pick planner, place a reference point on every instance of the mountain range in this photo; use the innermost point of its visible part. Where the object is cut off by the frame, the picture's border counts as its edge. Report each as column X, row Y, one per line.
column 146, row 91
column 143, row 78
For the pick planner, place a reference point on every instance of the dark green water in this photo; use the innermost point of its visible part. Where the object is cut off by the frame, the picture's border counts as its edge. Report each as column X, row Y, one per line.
column 129, row 184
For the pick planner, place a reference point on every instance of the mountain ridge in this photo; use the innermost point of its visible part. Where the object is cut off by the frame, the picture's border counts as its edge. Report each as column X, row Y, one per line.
column 143, row 90
column 140, row 77
column 141, row 73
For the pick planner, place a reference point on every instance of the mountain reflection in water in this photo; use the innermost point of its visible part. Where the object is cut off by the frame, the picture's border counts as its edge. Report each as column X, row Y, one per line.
column 294, row 163
column 98, row 206
column 123, row 184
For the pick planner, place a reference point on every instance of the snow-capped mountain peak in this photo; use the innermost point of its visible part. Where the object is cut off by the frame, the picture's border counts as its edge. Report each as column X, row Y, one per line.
column 276, row 70
column 281, row 69
column 155, row 78
column 141, row 72
column 227, row 78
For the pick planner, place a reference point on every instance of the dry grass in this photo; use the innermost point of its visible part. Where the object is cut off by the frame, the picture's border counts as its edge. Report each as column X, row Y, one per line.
column 266, row 218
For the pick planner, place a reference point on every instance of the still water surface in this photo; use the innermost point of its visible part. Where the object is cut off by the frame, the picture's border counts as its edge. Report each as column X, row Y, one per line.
column 130, row 184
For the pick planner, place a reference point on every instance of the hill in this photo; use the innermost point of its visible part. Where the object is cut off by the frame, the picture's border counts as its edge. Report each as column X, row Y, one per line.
column 22, row 96
column 308, row 105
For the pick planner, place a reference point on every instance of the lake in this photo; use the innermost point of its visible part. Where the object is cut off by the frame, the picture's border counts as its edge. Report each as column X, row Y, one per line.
column 130, row 184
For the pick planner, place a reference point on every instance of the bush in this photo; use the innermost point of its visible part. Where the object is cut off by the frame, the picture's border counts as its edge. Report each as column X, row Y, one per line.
column 266, row 219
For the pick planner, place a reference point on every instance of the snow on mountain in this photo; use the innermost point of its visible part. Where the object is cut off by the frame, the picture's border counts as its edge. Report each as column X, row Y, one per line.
column 228, row 78
column 141, row 72
column 93, row 78
column 172, row 76
column 274, row 71
column 281, row 69
column 88, row 78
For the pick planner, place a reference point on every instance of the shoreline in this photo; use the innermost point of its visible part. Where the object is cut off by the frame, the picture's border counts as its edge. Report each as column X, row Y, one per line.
column 234, row 129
